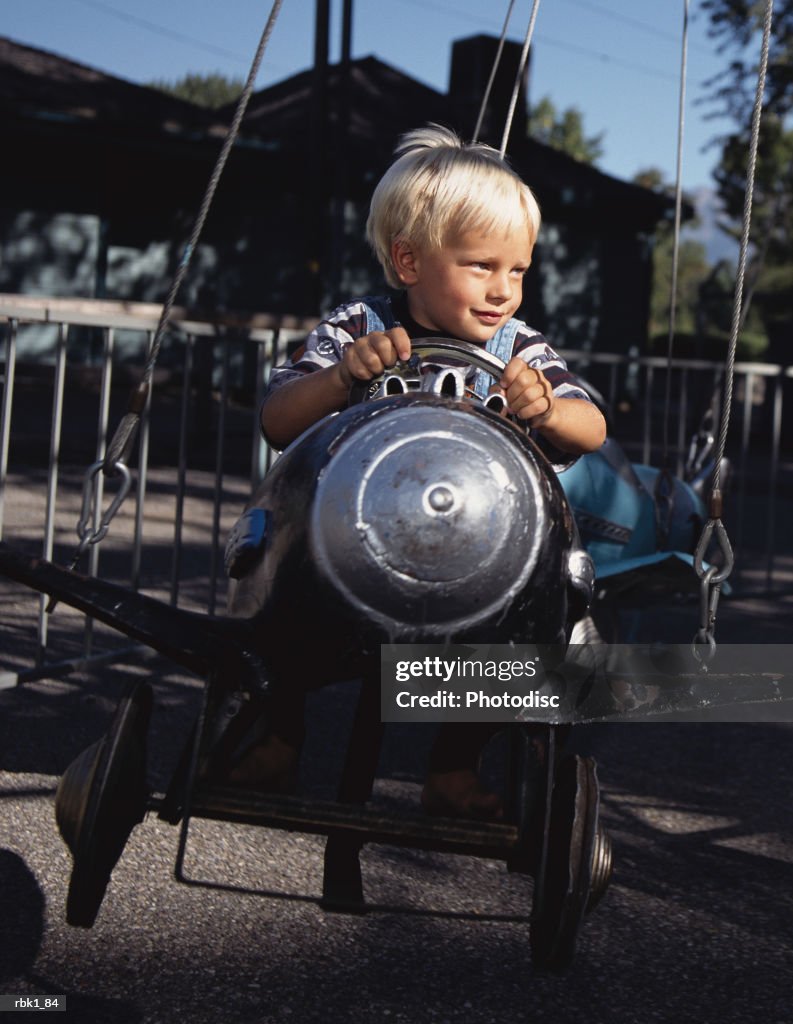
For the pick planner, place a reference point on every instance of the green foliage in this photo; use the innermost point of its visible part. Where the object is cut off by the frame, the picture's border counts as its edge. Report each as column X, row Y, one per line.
column 737, row 25
column 564, row 131
column 716, row 301
column 703, row 296
column 692, row 270
column 650, row 177
column 772, row 208
column 213, row 90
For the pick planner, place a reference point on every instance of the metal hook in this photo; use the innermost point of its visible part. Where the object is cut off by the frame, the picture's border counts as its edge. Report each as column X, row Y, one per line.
column 710, row 591
column 84, row 532
column 698, row 642
column 716, row 576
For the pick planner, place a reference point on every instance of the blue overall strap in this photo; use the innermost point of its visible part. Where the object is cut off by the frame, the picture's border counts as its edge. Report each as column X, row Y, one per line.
column 501, row 344
column 380, row 317
column 379, row 314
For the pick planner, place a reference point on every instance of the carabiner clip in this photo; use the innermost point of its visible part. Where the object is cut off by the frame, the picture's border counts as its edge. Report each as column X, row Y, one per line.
column 700, row 640
column 709, row 593
column 84, row 532
column 719, row 576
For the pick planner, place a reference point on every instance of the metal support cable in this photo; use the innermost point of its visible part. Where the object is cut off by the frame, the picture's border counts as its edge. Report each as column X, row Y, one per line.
column 209, row 195
column 519, row 77
column 664, row 488
column 115, row 459
column 711, row 579
column 493, row 72
column 676, row 239
column 747, row 219
column 124, row 437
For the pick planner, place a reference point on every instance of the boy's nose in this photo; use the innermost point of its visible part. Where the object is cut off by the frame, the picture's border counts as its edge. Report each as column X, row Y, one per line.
column 500, row 288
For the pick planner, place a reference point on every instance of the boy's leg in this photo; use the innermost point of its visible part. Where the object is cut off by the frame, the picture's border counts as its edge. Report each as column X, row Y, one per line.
column 270, row 762
column 452, row 787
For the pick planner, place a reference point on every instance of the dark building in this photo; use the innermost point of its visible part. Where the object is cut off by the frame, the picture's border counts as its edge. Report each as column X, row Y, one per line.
column 103, row 179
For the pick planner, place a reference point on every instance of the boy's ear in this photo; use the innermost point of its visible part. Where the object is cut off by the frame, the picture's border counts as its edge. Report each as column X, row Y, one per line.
column 403, row 258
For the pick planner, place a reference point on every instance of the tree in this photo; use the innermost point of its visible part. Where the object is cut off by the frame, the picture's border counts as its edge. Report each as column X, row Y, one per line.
column 692, row 270
column 652, row 178
column 737, row 23
column 704, row 294
column 770, row 264
column 213, row 90
column 564, row 131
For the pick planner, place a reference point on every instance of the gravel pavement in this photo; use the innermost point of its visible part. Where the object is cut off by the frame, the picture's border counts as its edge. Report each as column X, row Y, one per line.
column 696, row 926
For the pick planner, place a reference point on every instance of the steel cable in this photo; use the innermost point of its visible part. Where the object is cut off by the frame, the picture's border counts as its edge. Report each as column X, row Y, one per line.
column 493, row 71
column 747, row 219
column 518, row 78
column 676, row 240
column 121, row 444
column 711, row 578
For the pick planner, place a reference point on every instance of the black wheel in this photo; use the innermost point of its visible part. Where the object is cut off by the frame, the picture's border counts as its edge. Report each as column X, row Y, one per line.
column 575, row 865
column 101, row 796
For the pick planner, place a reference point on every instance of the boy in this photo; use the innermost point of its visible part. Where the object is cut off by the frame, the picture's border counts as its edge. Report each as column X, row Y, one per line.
column 453, row 227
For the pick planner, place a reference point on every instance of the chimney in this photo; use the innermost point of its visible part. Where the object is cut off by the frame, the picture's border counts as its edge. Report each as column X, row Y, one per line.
column 472, row 63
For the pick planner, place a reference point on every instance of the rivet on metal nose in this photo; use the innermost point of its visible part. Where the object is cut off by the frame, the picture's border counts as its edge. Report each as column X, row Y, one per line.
column 440, row 498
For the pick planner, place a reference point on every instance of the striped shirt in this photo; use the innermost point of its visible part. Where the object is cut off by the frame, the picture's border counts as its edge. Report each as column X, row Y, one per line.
column 326, row 343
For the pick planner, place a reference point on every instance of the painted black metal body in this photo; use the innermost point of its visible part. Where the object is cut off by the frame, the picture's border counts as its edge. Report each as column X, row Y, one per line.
column 415, row 518
column 355, row 554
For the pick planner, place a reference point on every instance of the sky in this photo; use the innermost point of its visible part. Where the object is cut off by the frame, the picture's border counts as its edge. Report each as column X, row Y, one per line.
column 617, row 61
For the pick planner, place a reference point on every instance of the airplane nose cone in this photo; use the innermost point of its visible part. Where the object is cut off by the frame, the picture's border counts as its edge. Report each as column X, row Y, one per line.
column 428, row 517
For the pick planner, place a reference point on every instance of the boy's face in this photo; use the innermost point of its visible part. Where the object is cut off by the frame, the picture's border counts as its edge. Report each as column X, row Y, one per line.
column 469, row 288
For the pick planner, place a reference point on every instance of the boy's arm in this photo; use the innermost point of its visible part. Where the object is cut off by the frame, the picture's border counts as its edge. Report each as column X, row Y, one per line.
column 297, row 404
column 575, row 425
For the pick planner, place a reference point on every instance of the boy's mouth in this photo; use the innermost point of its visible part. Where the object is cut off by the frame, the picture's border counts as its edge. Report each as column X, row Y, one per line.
column 488, row 316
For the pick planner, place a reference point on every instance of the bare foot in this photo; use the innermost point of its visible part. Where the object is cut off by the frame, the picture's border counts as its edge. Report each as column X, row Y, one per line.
column 268, row 767
column 459, row 794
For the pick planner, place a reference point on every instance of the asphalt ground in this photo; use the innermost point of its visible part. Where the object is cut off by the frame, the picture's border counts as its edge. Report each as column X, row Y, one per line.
column 695, row 927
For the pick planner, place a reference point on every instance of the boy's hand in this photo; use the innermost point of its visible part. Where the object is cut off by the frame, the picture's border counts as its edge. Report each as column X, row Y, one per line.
column 528, row 393
column 373, row 354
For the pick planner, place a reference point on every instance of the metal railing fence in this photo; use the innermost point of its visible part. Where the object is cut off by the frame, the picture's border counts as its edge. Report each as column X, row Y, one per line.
column 200, row 450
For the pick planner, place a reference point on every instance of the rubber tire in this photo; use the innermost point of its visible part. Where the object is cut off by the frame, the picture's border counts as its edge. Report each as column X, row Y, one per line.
column 562, row 885
column 100, row 799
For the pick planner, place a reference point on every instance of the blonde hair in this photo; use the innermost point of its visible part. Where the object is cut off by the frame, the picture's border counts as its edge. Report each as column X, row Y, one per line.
column 438, row 186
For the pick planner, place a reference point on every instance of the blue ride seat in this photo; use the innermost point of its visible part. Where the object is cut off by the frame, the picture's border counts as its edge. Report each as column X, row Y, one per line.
column 621, row 525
